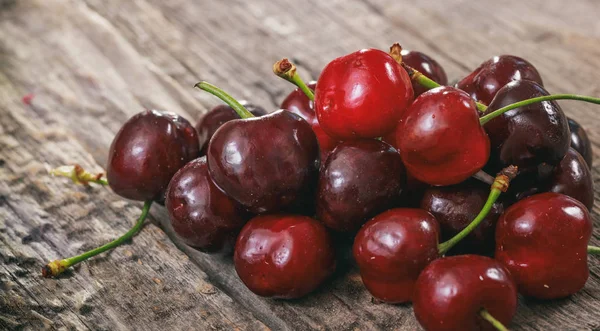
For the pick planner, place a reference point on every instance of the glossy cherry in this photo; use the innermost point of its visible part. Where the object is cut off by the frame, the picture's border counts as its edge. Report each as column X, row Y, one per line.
column 485, row 81
column 392, row 249
column 147, row 151
column 298, row 103
column 440, row 138
column 266, row 162
column 283, row 256
column 580, row 141
column 451, row 292
column 542, row 240
column 200, row 213
column 425, row 65
column 529, row 136
column 211, row 121
column 360, row 179
column 455, row 207
column 362, row 95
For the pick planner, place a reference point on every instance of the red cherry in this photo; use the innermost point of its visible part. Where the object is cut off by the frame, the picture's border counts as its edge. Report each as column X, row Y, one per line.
column 542, row 240
column 425, row 65
column 451, row 292
column 392, row 249
column 283, row 256
column 440, row 138
column 362, row 95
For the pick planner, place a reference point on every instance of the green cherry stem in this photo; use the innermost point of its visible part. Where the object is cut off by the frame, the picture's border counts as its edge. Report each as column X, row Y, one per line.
column 287, row 70
column 496, row 323
column 527, row 102
column 57, row 267
column 499, row 185
column 228, row 99
column 79, row 175
column 593, row 250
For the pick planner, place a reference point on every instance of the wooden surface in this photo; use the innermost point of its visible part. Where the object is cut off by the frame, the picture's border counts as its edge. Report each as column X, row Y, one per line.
column 89, row 65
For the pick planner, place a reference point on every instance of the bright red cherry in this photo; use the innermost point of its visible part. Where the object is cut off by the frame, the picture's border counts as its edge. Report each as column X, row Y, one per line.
column 483, row 83
column 362, row 95
column 425, row 65
column 543, row 240
column 392, row 249
column 283, row 256
column 451, row 292
column 440, row 138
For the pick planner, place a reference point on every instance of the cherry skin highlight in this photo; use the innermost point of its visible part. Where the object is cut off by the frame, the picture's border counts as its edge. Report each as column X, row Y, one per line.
column 580, row 141
column 201, row 214
column 542, row 240
column 264, row 163
column 211, row 121
column 283, row 256
column 440, row 138
column 451, row 292
column 362, row 95
column 425, row 65
column 360, row 179
column 147, row 151
column 392, row 249
column 485, row 81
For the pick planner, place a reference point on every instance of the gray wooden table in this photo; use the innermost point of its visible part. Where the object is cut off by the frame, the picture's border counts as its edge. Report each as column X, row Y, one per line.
column 85, row 67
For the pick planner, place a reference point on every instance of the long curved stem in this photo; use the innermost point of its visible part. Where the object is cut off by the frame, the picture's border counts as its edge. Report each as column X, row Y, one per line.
column 57, row 267
column 287, row 70
column 228, row 99
column 527, row 102
column 496, row 323
column 593, row 250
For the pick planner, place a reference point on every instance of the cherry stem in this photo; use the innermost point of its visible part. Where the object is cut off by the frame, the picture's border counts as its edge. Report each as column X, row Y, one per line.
column 79, row 175
column 484, row 177
column 499, row 185
column 228, row 99
column 57, row 267
column 496, row 323
column 527, row 102
column 594, row 250
column 418, row 77
column 287, row 70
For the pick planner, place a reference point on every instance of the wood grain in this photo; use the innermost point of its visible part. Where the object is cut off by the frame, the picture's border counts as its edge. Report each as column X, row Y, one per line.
column 90, row 65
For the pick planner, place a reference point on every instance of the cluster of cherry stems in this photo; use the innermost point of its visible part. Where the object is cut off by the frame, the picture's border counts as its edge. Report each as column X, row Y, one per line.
column 377, row 153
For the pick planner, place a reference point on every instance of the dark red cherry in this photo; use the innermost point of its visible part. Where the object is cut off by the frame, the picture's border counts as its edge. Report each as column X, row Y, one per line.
column 211, row 121
column 455, row 207
column 283, row 256
column 360, row 179
column 392, row 249
column 425, row 65
column 451, row 292
column 527, row 136
column 440, row 138
column 298, row 103
column 202, row 215
column 147, row 151
column 580, row 141
column 572, row 177
column 264, row 162
column 362, row 95
column 483, row 83
column 543, row 240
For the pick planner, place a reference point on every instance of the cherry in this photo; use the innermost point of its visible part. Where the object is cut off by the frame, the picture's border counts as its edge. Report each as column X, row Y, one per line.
column 362, row 95
column 580, row 141
column 283, row 256
column 211, row 121
column 455, row 207
column 542, row 240
column 462, row 292
column 425, row 65
column 298, row 103
column 360, row 179
column 526, row 136
column 485, row 81
column 392, row 249
column 147, row 151
column 440, row 138
column 201, row 214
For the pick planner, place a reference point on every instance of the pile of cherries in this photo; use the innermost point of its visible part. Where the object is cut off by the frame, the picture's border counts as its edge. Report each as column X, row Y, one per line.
column 376, row 150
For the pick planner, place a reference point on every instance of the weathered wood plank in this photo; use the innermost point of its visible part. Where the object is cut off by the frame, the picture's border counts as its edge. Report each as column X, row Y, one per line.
column 92, row 64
